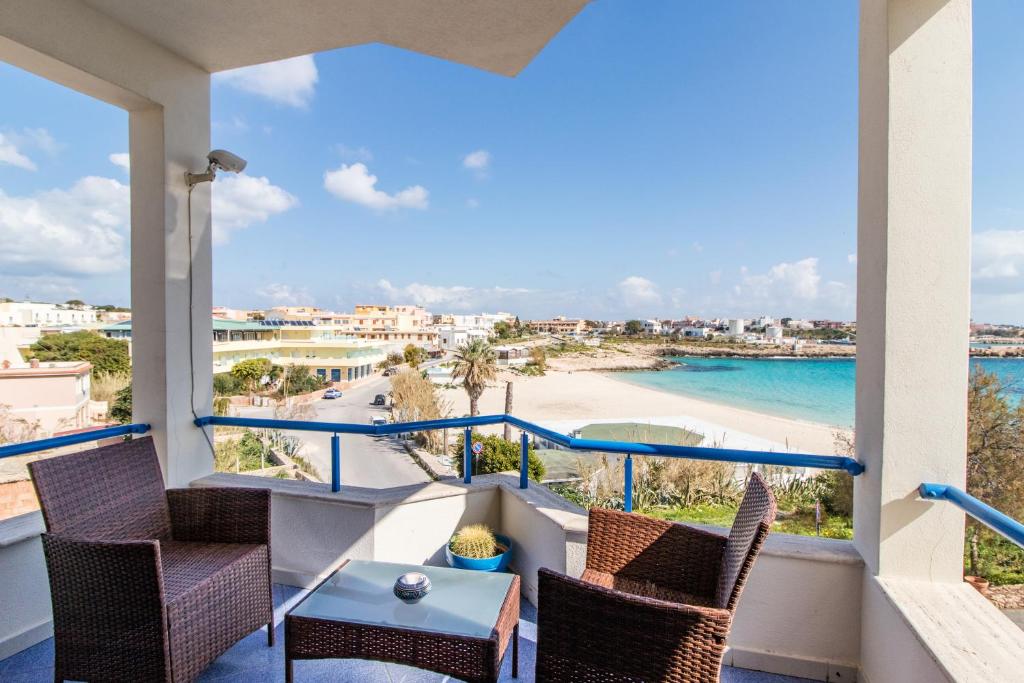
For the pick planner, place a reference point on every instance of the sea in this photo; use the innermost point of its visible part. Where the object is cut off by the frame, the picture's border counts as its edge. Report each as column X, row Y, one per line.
column 810, row 389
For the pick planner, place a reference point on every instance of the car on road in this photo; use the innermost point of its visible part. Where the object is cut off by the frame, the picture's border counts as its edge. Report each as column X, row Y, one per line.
column 390, row 371
column 332, row 393
column 379, row 400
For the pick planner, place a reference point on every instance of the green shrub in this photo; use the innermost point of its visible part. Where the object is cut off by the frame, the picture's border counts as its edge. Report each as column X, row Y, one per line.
column 498, row 455
column 225, row 384
column 121, row 409
column 836, row 492
column 476, row 541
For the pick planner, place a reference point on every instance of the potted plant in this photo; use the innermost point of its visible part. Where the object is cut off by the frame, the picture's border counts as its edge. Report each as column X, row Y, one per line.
column 477, row 547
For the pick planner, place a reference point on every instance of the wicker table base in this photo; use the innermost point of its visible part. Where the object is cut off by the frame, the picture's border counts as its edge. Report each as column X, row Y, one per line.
column 473, row 659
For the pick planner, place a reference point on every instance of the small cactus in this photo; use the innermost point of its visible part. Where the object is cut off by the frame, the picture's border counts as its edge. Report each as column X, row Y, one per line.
column 475, row 541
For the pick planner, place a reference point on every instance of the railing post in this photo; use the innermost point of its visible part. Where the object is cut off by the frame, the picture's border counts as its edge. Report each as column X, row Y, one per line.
column 335, row 463
column 467, row 455
column 627, row 489
column 524, row 462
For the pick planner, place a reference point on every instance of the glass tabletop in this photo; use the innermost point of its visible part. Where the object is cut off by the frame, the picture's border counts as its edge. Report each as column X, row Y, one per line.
column 460, row 602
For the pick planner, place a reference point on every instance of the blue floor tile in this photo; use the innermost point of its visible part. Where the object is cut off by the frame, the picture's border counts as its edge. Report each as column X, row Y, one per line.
column 251, row 661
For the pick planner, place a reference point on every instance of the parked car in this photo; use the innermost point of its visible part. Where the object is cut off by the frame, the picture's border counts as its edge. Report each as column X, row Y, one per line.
column 379, row 400
column 332, row 393
column 390, row 371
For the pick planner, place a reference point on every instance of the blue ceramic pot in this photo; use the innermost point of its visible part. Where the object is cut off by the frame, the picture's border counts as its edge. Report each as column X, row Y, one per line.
column 499, row 563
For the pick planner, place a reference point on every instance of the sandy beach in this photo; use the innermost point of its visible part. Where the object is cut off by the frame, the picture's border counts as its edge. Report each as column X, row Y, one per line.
column 566, row 400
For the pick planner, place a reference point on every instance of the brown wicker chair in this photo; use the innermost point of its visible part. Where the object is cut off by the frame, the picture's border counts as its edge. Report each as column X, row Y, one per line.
column 148, row 584
column 656, row 600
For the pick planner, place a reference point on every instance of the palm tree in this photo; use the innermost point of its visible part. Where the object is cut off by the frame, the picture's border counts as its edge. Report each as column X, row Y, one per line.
column 475, row 364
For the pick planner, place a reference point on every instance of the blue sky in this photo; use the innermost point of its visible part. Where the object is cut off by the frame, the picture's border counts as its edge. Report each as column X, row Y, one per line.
column 659, row 158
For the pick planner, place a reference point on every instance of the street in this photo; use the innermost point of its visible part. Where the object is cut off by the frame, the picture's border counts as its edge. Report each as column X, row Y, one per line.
column 366, row 461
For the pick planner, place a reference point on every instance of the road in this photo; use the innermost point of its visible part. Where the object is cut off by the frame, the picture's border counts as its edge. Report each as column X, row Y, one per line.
column 366, row 461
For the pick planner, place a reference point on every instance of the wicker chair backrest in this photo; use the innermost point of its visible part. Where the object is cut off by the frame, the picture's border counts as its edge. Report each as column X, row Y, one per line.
column 110, row 493
column 753, row 522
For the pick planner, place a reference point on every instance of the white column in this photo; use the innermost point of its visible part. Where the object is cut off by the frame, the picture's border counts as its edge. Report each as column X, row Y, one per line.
column 913, row 282
column 165, row 142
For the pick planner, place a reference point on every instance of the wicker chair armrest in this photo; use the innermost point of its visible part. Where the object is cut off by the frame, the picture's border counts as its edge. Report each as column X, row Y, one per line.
column 108, row 604
column 668, row 554
column 610, row 634
column 220, row 515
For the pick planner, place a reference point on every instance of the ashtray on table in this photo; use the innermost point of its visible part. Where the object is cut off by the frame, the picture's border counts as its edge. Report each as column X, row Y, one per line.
column 412, row 586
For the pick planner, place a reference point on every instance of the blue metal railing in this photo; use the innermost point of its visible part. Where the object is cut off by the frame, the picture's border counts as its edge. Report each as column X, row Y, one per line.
column 628, row 449
column 71, row 439
column 986, row 514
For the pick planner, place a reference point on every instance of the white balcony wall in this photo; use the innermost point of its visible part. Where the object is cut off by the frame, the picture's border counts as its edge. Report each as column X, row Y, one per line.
column 800, row 613
column 168, row 102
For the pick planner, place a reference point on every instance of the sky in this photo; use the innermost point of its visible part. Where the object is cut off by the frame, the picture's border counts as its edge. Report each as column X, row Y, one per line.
column 656, row 159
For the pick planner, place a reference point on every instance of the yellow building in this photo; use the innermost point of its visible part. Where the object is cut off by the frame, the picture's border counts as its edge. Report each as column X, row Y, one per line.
column 326, row 349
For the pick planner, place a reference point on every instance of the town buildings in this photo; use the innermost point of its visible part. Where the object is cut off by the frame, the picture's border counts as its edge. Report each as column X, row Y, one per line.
column 559, row 325
column 330, row 351
column 48, row 396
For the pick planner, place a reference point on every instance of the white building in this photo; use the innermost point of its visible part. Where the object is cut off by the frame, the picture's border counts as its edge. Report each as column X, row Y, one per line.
column 450, row 337
column 651, row 326
column 736, row 327
column 764, row 321
column 695, row 332
column 773, row 333
column 51, row 315
column 800, row 325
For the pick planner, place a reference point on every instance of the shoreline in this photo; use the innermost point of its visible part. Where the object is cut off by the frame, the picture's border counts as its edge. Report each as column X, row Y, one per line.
column 560, row 399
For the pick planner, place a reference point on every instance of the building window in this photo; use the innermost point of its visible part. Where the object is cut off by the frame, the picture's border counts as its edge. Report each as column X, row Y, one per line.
column 335, row 374
column 350, row 374
column 321, row 373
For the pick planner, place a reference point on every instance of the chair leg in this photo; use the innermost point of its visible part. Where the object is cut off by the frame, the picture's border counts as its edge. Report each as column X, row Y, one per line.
column 270, row 634
column 515, row 651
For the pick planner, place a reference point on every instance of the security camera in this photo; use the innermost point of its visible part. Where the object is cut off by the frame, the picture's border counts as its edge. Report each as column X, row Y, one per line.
column 226, row 161
column 219, row 159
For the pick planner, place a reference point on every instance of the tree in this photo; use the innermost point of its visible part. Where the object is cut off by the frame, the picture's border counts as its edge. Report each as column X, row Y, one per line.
column 121, row 409
column 633, row 327
column 394, row 358
column 475, row 364
column 249, row 372
column 995, row 454
column 508, row 410
column 414, row 355
column 297, row 379
column 498, row 455
column 74, row 303
column 414, row 398
column 108, row 356
column 539, row 357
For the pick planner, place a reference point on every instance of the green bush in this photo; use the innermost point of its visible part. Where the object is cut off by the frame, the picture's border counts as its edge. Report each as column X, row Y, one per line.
column 498, row 455
column 225, row 384
column 121, row 409
column 836, row 492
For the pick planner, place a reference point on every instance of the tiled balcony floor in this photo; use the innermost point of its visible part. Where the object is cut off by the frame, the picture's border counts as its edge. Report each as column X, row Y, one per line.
column 252, row 661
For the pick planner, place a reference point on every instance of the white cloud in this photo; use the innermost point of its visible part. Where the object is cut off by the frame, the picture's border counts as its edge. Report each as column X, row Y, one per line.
column 455, row 298
column 81, row 231
column 793, row 287
column 998, row 255
column 478, row 161
column 11, row 155
column 280, row 294
column 241, row 200
column 289, row 81
column 851, row 258
column 354, row 183
column 715, row 276
column 639, row 293
column 121, row 159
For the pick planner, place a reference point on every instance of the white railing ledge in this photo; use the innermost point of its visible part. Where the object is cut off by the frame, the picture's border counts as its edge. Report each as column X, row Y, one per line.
column 21, row 528
column 966, row 637
column 352, row 496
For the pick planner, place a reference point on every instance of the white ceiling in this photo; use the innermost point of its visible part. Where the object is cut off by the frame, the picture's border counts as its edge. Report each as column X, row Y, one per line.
column 497, row 35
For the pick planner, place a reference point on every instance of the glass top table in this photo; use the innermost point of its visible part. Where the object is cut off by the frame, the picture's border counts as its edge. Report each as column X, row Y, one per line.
column 460, row 602
column 461, row 627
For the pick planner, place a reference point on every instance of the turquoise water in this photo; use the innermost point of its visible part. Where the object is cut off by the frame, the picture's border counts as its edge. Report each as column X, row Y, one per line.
column 812, row 389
